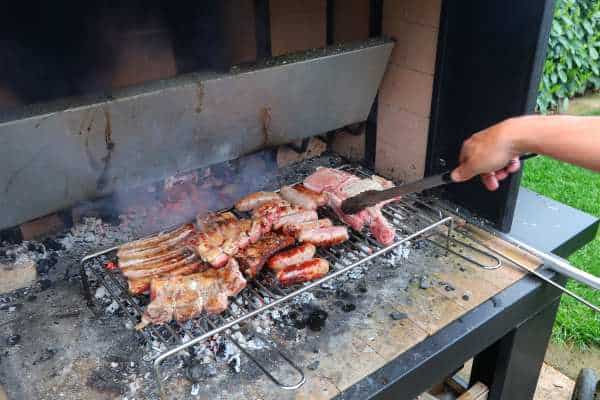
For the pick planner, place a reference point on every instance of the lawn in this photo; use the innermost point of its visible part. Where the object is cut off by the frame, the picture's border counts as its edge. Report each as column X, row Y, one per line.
column 580, row 189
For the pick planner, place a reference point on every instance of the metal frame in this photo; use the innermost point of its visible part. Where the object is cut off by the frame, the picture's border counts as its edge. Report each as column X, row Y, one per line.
column 512, row 53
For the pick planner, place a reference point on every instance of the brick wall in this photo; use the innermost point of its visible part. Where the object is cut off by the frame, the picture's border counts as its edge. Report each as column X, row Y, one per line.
column 297, row 25
column 405, row 96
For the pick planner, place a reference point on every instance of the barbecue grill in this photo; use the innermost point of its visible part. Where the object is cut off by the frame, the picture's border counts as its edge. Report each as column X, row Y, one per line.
column 369, row 87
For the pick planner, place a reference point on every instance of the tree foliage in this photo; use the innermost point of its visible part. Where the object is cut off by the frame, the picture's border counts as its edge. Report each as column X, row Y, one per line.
column 572, row 65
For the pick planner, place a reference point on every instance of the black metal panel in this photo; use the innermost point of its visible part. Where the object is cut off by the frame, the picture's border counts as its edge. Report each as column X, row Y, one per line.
column 375, row 30
column 438, row 356
column 490, row 55
column 510, row 368
column 262, row 19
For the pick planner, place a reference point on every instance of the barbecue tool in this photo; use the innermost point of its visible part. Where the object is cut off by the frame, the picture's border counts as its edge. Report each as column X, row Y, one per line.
column 370, row 198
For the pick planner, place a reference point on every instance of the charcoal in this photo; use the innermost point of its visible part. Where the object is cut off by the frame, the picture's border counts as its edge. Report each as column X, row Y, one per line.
column 45, row 264
column 362, row 287
column 424, row 283
column 313, row 365
column 316, row 320
column 106, row 380
column 44, row 284
column 466, row 296
column 348, row 307
column 398, row 316
column 35, row 247
column 197, row 371
column 13, row 340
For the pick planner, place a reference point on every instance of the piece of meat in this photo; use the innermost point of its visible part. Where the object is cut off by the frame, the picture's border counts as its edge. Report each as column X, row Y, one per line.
column 296, row 218
column 255, row 200
column 327, row 179
column 177, row 234
column 356, row 221
column 141, row 285
column 154, row 248
column 210, row 221
column 159, row 268
column 380, row 227
column 324, row 237
column 303, row 272
column 317, row 197
column 271, row 212
column 253, row 258
column 295, row 255
column 166, row 254
column 294, row 229
column 185, row 297
column 303, row 197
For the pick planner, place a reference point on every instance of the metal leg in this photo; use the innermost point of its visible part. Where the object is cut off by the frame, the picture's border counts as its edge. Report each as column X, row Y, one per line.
column 511, row 366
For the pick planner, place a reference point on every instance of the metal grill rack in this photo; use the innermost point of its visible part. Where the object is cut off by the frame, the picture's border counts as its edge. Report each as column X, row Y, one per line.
column 412, row 217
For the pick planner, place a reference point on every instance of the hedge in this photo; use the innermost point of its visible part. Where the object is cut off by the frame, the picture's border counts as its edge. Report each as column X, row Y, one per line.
column 572, row 65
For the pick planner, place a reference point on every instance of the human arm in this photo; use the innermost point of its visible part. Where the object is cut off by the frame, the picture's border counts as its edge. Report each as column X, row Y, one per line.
column 493, row 153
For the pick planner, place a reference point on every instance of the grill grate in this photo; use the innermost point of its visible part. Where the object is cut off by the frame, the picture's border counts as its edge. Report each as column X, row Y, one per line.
column 412, row 218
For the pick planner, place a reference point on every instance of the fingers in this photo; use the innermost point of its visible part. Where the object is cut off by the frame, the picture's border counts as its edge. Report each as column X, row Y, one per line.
column 490, row 181
column 513, row 166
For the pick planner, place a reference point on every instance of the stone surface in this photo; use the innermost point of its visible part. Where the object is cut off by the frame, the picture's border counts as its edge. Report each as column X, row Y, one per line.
column 17, row 275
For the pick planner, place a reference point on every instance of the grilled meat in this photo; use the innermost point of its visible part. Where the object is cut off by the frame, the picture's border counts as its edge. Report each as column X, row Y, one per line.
column 253, row 258
column 318, row 197
column 295, row 255
column 255, row 200
column 185, row 297
column 299, row 198
column 294, row 229
column 303, row 272
column 327, row 179
column 324, row 237
column 167, row 238
column 296, row 218
column 141, row 285
column 166, row 254
column 162, row 267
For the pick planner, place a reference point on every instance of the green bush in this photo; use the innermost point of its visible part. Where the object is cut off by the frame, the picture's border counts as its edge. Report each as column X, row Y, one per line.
column 572, row 65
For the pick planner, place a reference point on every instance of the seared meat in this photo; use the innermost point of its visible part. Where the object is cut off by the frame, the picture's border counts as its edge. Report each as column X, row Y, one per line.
column 299, row 198
column 166, row 238
column 292, row 256
column 318, row 197
column 166, row 254
column 296, row 218
column 294, row 229
column 185, row 297
column 159, row 268
column 253, row 258
column 303, row 272
column 327, row 179
column 255, row 200
column 324, row 237
column 141, row 285
column 154, row 246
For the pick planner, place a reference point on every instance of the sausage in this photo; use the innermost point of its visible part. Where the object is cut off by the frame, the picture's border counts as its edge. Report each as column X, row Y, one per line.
column 255, row 200
column 298, row 198
column 324, row 237
column 295, row 218
column 304, row 272
column 294, row 229
column 296, row 255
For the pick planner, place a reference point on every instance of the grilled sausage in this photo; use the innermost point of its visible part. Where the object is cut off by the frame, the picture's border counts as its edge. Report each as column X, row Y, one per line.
column 295, row 255
column 303, row 272
column 324, row 237
column 255, row 200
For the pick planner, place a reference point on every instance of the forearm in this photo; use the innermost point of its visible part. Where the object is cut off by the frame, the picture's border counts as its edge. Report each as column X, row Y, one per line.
column 574, row 140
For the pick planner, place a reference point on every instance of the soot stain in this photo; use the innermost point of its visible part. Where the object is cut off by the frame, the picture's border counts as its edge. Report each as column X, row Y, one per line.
column 106, row 160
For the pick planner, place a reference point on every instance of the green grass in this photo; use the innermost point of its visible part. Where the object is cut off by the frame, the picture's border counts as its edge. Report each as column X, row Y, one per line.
column 580, row 189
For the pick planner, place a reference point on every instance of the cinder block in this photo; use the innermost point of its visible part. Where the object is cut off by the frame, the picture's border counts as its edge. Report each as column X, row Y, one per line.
column 349, row 146
column 17, row 275
column 406, row 89
column 416, row 44
column 41, row 227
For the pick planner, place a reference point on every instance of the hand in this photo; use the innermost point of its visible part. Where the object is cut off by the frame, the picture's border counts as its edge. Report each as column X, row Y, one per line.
column 491, row 153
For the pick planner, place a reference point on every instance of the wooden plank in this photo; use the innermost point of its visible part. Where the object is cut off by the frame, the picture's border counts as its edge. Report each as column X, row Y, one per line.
column 477, row 392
